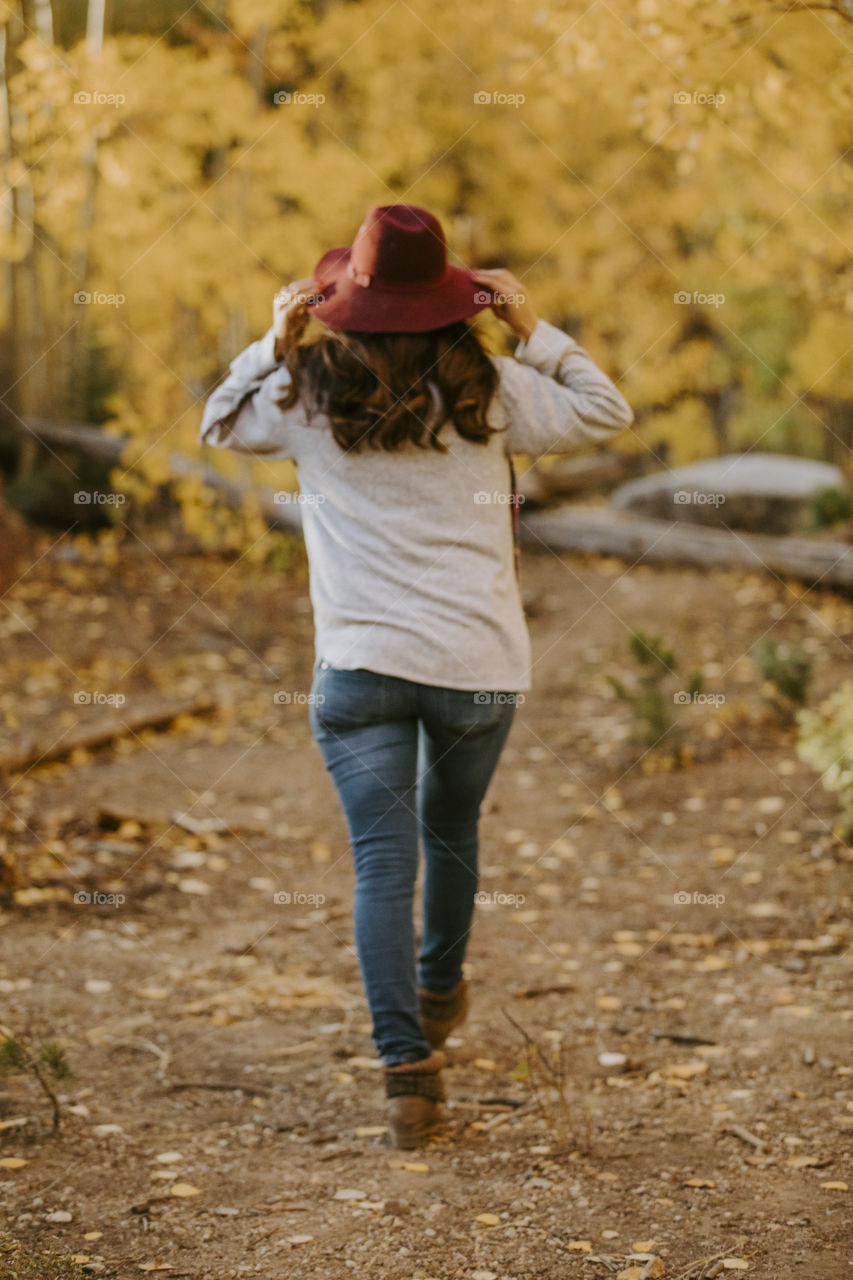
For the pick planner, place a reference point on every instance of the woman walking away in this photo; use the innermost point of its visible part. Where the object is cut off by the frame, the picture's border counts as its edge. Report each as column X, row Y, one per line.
column 401, row 427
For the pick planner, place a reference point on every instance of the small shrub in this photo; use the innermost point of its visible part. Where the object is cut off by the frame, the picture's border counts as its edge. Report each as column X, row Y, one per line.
column 831, row 506
column 825, row 741
column 789, row 669
column 18, row 1056
column 650, row 701
column 16, row 1263
column 548, row 1079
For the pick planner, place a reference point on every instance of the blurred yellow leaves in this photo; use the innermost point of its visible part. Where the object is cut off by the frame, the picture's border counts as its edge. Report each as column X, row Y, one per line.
column 194, row 205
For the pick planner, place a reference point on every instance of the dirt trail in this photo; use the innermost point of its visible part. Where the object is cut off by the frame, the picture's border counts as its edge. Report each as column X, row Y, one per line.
column 219, row 1037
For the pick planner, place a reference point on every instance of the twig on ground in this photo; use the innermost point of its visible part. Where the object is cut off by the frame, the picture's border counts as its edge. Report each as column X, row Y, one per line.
column 738, row 1131
column 224, row 1086
column 146, row 1046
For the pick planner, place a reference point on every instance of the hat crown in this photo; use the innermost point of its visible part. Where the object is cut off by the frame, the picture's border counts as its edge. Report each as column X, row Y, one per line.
column 400, row 242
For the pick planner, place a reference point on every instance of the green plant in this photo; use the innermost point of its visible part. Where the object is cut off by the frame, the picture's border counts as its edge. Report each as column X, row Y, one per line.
column 16, row 1263
column 789, row 669
column 829, row 506
column 46, row 1060
column 648, row 699
column 547, row 1077
column 825, row 741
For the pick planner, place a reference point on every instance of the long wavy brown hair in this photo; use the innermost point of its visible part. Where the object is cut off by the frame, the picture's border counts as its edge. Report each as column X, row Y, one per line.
column 384, row 389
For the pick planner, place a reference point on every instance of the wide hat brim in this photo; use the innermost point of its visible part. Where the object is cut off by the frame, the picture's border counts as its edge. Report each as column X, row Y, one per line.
column 393, row 307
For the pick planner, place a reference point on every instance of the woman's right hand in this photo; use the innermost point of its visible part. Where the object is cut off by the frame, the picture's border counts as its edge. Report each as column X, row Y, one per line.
column 511, row 304
column 291, row 298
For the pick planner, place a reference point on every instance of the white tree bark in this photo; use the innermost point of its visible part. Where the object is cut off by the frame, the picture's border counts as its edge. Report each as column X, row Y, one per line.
column 95, row 25
column 44, row 20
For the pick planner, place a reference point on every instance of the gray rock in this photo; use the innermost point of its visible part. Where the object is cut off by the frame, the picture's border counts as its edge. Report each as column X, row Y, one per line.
column 760, row 492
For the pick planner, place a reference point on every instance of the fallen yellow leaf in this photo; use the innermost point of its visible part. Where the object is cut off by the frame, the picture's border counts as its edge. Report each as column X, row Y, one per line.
column 686, row 1070
column 643, row 1246
column 834, row 1186
column 699, row 1182
column 488, row 1219
column 801, row 1162
column 13, row 1162
column 93, row 1235
column 184, row 1189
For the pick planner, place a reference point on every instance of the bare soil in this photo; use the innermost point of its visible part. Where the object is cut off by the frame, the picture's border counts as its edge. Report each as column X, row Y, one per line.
column 696, row 920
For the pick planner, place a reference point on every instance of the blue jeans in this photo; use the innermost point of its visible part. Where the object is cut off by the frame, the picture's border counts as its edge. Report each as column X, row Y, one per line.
column 408, row 760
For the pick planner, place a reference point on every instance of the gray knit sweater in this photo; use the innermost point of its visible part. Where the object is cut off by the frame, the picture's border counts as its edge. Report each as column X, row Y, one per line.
column 410, row 552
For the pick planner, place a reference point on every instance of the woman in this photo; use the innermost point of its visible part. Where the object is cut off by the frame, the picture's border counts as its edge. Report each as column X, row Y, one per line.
column 401, row 427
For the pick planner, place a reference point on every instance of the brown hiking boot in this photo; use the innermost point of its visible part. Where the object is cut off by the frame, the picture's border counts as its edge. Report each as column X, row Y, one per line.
column 440, row 1014
column 415, row 1091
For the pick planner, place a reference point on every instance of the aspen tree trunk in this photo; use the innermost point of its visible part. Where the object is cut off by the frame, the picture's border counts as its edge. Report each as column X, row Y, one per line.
column 17, row 216
column 95, row 18
column 43, row 20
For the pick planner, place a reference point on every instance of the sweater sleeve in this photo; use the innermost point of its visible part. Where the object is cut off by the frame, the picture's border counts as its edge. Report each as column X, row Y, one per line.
column 555, row 397
column 241, row 412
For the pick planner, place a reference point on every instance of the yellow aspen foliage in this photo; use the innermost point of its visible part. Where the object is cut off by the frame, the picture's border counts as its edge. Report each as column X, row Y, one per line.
column 672, row 183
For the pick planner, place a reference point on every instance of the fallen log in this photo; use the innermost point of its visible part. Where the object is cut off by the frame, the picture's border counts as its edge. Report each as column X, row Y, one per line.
column 94, row 443
column 647, row 540
column 567, row 528
column 104, row 730
column 541, row 485
column 16, row 544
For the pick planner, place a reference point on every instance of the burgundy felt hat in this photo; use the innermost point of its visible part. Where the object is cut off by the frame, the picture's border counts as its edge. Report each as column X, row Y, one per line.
column 395, row 278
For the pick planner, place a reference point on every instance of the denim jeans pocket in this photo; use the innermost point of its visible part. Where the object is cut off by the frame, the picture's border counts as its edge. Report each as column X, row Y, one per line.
column 472, row 712
column 346, row 699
